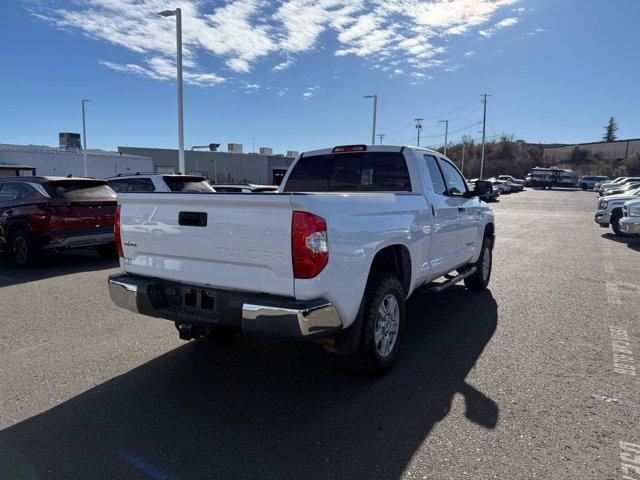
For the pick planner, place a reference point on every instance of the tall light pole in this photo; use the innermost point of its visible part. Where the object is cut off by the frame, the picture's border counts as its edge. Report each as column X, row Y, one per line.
column 446, row 134
column 84, row 139
column 375, row 110
column 178, row 14
column 484, row 131
column 419, row 127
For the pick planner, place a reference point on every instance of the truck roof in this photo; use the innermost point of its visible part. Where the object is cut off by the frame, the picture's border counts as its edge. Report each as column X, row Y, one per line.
column 371, row 148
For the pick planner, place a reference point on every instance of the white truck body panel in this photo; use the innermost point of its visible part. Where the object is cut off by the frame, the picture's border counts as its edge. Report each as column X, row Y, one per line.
column 246, row 244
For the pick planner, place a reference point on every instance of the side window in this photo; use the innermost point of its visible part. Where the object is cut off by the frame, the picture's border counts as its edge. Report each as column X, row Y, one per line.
column 120, row 186
column 9, row 191
column 436, row 175
column 455, row 182
column 143, row 185
column 27, row 190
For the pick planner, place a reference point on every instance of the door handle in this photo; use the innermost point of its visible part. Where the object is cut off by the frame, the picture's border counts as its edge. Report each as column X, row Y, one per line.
column 461, row 208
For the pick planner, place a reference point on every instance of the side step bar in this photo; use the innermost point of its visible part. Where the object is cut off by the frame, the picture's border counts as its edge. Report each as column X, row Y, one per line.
column 438, row 287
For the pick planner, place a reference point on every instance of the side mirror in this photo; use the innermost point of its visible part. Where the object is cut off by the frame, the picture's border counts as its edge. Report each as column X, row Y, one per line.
column 482, row 188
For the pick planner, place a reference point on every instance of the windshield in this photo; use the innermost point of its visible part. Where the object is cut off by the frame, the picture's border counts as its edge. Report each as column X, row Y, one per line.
column 187, row 184
column 79, row 190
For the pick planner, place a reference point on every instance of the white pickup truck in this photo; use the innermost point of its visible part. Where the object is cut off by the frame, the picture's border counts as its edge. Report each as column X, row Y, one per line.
column 331, row 257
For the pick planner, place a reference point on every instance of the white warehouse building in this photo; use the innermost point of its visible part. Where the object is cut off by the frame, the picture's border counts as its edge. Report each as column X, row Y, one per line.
column 51, row 161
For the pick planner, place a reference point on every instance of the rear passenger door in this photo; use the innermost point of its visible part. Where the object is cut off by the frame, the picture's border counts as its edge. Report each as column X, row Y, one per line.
column 446, row 220
column 468, row 209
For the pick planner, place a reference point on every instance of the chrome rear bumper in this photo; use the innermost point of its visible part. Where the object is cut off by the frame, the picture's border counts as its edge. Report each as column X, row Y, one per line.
column 630, row 225
column 258, row 315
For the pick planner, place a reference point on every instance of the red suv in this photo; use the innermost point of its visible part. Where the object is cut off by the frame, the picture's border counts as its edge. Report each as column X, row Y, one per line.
column 51, row 214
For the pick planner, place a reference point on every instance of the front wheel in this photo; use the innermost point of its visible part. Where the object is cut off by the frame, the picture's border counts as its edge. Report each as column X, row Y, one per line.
column 615, row 223
column 383, row 325
column 480, row 279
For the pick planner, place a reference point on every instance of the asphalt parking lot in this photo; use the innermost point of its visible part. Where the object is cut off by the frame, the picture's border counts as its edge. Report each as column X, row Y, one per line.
column 532, row 379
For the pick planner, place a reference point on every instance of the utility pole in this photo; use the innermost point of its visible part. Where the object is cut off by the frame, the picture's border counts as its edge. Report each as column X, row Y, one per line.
column 84, row 139
column 419, row 127
column 446, row 134
column 381, row 136
column 178, row 14
column 464, row 144
column 375, row 111
column 484, row 131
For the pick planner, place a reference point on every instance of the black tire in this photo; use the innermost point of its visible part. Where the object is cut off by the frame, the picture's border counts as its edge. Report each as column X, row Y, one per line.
column 24, row 252
column 615, row 223
column 107, row 251
column 480, row 279
column 368, row 359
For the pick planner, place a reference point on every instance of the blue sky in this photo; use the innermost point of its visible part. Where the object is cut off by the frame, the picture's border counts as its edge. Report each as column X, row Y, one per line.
column 291, row 74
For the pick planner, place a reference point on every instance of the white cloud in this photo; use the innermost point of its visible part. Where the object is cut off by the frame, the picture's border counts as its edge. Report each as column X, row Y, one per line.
column 310, row 92
column 469, row 53
column 282, row 65
column 238, row 34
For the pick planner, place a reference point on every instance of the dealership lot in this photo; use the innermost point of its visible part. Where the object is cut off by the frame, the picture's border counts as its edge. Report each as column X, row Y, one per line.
column 537, row 378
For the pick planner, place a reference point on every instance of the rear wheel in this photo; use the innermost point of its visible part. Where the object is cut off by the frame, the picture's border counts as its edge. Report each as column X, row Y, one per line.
column 480, row 279
column 383, row 325
column 583, row 186
column 615, row 223
column 23, row 250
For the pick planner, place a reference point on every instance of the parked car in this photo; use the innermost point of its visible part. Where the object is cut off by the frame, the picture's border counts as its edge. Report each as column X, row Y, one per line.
column 502, row 186
column 492, row 196
column 159, row 182
column 630, row 221
column 625, row 187
column 515, row 187
column 244, row 188
column 509, row 178
column 610, row 210
column 588, row 182
column 50, row 214
column 331, row 257
column 616, row 183
column 552, row 177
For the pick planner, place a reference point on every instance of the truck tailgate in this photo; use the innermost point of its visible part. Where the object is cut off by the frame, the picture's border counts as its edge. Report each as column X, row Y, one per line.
column 236, row 241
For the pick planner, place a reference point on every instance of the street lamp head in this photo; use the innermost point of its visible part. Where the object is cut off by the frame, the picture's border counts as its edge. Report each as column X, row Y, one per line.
column 370, row 96
column 167, row 13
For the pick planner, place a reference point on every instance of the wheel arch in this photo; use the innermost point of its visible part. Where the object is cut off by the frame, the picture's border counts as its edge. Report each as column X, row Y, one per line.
column 395, row 260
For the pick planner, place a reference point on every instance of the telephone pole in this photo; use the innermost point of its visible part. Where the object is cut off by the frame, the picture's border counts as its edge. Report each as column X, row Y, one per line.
column 419, row 127
column 446, row 134
column 464, row 144
column 381, row 136
column 484, row 131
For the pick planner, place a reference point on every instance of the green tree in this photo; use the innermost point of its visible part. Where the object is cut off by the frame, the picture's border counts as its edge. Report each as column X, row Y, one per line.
column 611, row 130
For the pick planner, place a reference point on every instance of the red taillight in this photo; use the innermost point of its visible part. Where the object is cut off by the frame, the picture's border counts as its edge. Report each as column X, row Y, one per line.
column 309, row 247
column 350, row 148
column 116, row 232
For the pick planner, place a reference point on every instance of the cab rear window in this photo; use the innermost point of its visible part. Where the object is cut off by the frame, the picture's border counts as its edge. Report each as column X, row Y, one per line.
column 79, row 190
column 350, row 172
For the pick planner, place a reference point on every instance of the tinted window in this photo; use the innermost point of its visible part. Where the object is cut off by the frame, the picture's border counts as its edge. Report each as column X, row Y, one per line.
column 187, row 184
column 27, row 190
column 349, row 172
column 143, row 185
column 79, row 190
column 121, row 185
column 436, row 175
column 9, row 191
column 455, row 183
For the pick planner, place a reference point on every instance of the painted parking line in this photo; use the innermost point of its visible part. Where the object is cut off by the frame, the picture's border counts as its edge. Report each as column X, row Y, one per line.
column 630, row 460
column 623, row 360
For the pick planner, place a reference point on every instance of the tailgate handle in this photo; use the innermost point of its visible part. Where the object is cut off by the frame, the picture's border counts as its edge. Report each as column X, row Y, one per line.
column 192, row 219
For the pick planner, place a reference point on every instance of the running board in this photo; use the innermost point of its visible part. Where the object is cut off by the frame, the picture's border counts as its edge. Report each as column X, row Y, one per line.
column 438, row 287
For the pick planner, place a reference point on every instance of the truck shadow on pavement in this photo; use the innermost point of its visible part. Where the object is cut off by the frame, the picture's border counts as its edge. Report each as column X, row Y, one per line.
column 632, row 242
column 53, row 265
column 266, row 410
